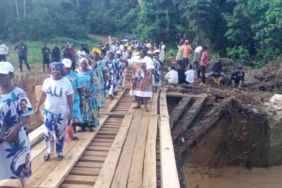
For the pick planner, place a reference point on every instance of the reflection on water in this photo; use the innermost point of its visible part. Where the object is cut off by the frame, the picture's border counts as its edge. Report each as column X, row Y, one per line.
column 232, row 177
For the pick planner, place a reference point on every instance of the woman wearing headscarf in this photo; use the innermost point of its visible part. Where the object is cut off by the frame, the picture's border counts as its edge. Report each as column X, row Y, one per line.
column 77, row 97
column 15, row 110
column 57, row 93
column 112, row 65
column 143, row 68
column 90, row 85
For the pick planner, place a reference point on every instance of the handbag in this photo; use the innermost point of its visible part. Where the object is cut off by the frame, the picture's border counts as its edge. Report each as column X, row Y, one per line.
column 4, row 128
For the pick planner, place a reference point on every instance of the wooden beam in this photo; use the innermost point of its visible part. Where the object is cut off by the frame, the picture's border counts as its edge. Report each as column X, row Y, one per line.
column 108, row 170
column 114, row 102
column 150, row 171
column 36, row 136
column 176, row 94
column 123, row 167
column 178, row 111
column 169, row 174
column 135, row 178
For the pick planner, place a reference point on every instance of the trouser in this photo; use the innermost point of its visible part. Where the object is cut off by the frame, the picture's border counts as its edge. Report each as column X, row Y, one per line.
column 2, row 57
column 195, row 65
column 23, row 58
column 202, row 70
column 55, row 124
column 185, row 62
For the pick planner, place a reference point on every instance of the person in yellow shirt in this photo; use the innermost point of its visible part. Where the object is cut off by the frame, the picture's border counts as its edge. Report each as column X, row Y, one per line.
column 148, row 45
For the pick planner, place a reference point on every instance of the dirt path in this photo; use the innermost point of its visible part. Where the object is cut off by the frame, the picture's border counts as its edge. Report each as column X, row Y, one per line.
column 99, row 37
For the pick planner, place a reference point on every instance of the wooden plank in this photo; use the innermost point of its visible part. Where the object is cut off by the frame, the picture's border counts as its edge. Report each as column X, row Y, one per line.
column 89, row 164
column 123, row 167
column 149, row 174
column 176, row 94
column 114, row 102
column 135, row 178
column 178, row 111
column 154, row 108
column 85, row 171
column 78, row 179
column 88, row 158
column 56, row 177
column 103, row 140
column 98, row 148
column 75, row 186
column 100, row 144
column 169, row 174
column 108, row 170
column 36, row 136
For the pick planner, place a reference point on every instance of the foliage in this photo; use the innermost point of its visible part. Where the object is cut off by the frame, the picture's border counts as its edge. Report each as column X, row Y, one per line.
column 249, row 31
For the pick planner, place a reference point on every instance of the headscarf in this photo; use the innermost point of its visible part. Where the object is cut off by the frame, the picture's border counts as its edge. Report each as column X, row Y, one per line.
column 145, row 50
column 59, row 66
column 84, row 59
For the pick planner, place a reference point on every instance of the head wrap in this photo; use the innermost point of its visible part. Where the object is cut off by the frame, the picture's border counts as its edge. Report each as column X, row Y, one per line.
column 84, row 59
column 144, row 50
column 59, row 66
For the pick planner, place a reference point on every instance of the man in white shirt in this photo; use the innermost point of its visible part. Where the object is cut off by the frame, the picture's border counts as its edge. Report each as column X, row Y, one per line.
column 197, row 56
column 80, row 53
column 4, row 50
column 189, row 74
column 171, row 77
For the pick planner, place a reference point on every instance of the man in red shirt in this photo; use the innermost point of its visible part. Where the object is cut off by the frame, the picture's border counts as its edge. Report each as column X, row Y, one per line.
column 204, row 64
column 186, row 53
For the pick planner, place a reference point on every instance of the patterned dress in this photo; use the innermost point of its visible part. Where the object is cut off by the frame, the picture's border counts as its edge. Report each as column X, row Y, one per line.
column 112, row 77
column 142, row 82
column 157, row 76
column 121, row 66
column 15, row 158
column 101, row 99
column 76, row 84
column 90, row 82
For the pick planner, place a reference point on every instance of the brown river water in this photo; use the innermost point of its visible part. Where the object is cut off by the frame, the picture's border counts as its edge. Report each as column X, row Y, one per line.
column 233, row 177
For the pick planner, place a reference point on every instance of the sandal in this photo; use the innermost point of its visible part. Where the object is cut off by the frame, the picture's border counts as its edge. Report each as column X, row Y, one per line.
column 60, row 157
column 90, row 129
column 82, row 129
column 47, row 157
column 136, row 107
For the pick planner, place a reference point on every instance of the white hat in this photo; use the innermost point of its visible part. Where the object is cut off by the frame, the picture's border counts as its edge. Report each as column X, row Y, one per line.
column 67, row 62
column 149, row 52
column 6, row 68
column 118, row 52
column 157, row 51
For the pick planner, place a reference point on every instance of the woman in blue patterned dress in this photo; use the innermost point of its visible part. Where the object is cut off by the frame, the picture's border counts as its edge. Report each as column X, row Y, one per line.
column 111, row 74
column 77, row 100
column 120, row 69
column 157, row 73
column 100, row 67
column 90, row 83
column 15, row 110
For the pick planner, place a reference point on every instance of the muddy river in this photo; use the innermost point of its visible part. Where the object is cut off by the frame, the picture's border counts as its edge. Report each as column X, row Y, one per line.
column 233, row 177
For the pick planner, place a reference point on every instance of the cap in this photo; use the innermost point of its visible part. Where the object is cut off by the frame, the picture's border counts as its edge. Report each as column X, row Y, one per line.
column 157, row 51
column 118, row 52
column 150, row 52
column 67, row 62
column 6, row 68
column 186, row 41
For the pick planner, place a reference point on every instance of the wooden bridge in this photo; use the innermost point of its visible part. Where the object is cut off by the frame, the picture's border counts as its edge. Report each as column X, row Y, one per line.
column 131, row 148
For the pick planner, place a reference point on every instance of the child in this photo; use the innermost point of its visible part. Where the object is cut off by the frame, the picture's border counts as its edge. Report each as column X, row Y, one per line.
column 189, row 74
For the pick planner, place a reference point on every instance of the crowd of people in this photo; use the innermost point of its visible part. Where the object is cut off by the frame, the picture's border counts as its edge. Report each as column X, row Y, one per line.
column 190, row 68
column 72, row 96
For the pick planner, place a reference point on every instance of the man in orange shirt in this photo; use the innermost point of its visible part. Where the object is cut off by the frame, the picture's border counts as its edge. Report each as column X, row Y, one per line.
column 204, row 64
column 186, row 53
column 148, row 44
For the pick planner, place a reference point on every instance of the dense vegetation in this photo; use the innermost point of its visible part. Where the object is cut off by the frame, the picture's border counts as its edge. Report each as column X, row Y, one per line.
column 248, row 31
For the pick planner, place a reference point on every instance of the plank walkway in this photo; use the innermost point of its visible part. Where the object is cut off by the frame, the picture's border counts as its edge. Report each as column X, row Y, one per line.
column 131, row 148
